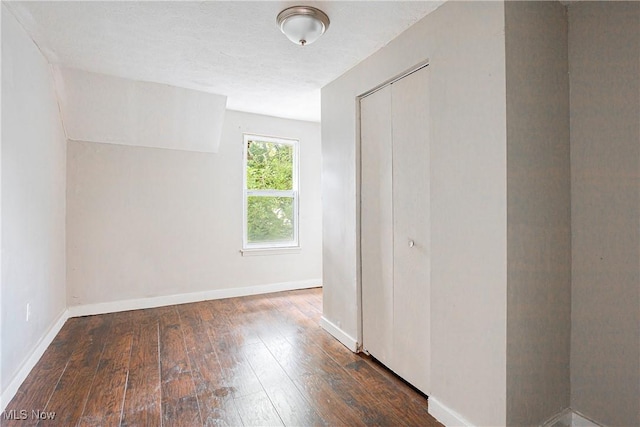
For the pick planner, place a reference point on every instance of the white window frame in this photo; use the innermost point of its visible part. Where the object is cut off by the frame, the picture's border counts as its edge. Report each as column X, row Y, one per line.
column 294, row 193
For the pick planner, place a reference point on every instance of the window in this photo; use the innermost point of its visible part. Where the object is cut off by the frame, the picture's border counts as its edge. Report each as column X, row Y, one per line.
column 270, row 192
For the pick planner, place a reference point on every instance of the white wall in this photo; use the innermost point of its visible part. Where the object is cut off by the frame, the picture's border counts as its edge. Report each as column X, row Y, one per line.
column 148, row 222
column 604, row 53
column 33, row 200
column 100, row 108
column 465, row 44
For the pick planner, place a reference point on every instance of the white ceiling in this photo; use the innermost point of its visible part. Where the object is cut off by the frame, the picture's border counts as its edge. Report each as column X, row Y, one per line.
column 232, row 48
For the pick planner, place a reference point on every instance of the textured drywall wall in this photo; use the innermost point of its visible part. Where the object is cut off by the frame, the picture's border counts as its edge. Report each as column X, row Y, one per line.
column 538, row 212
column 33, row 199
column 145, row 222
column 604, row 58
column 100, row 108
column 464, row 42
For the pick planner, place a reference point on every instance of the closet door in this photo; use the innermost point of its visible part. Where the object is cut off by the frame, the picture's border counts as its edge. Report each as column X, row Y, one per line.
column 394, row 227
column 376, row 224
column 411, row 225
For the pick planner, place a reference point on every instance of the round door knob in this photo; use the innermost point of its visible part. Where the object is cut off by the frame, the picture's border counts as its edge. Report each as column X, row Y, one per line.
column 411, row 243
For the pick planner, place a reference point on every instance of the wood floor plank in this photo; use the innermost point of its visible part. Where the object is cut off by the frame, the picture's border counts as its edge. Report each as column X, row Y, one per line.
column 362, row 398
column 411, row 406
column 71, row 392
column 412, row 410
column 106, row 397
column 256, row 410
column 259, row 360
column 399, row 384
column 240, row 326
column 327, row 385
column 327, row 403
column 252, row 317
column 179, row 401
column 293, row 408
column 264, row 365
column 302, row 358
column 219, row 314
column 142, row 402
column 239, row 378
column 217, row 407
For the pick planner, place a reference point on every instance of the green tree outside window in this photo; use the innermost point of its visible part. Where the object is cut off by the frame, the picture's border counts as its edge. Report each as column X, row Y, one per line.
column 270, row 192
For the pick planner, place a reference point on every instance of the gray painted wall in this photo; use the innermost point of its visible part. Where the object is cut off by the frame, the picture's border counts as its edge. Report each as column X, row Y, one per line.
column 604, row 58
column 538, row 212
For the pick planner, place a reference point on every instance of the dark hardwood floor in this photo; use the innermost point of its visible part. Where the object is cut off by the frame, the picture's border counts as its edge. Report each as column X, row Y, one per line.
column 252, row 361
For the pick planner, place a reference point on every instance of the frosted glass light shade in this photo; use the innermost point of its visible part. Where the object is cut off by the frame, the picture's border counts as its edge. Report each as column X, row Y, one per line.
column 303, row 24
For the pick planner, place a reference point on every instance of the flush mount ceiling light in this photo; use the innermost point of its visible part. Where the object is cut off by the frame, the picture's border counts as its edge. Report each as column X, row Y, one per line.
column 303, row 24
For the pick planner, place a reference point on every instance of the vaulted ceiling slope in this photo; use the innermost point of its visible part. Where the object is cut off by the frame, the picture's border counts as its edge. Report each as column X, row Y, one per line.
column 231, row 48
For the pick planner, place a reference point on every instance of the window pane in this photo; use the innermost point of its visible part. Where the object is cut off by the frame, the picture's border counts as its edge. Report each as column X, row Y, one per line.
column 269, row 166
column 269, row 219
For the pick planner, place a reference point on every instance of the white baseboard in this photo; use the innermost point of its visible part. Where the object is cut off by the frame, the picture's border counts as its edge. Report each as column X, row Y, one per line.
column 562, row 419
column 579, row 420
column 152, row 302
column 346, row 339
column 568, row 417
column 446, row 415
column 31, row 361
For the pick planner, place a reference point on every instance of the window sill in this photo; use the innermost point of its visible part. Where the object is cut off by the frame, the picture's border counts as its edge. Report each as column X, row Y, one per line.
column 271, row 251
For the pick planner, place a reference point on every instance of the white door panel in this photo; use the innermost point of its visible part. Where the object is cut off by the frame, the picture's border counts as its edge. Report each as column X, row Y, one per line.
column 376, row 224
column 410, row 112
